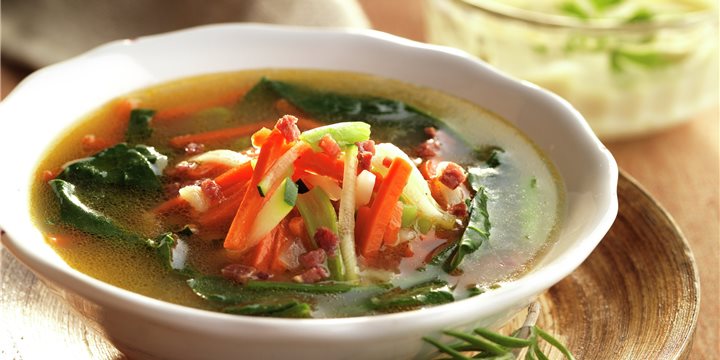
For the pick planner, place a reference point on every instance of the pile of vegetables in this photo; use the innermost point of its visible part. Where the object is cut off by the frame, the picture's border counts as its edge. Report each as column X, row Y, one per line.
column 301, row 215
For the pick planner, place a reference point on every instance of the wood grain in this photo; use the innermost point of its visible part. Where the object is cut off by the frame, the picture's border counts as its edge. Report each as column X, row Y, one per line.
column 636, row 297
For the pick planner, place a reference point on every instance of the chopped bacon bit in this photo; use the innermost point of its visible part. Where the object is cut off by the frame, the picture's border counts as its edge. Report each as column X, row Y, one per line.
column 194, row 148
column 326, row 240
column 288, row 127
column 364, row 161
column 329, row 146
column 297, row 226
column 212, row 190
column 460, row 210
column 386, row 162
column 431, row 131
column 452, row 176
column 366, row 146
column 428, row 149
column 389, row 257
column 366, row 150
column 240, row 273
column 312, row 275
column 312, row 258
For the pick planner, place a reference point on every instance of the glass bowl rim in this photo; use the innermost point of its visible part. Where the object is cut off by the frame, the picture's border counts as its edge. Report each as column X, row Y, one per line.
column 535, row 18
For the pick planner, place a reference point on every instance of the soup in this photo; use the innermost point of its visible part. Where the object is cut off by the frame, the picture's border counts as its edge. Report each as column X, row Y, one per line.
column 297, row 193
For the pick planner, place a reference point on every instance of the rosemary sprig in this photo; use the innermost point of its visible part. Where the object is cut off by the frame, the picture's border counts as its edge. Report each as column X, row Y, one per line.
column 487, row 344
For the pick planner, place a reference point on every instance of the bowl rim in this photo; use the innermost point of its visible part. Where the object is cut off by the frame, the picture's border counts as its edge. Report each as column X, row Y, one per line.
column 110, row 295
column 596, row 25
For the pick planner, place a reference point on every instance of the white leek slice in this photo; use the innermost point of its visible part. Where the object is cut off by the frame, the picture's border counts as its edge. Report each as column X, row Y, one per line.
column 194, row 195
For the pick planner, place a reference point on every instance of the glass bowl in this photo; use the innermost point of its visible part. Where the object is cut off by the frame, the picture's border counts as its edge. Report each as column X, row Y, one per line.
column 631, row 73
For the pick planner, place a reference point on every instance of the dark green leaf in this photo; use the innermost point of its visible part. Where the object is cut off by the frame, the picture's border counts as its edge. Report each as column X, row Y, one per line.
column 507, row 341
column 479, row 342
column 446, row 349
column 490, row 155
column 406, row 123
column 220, row 290
column 476, row 232
column 285, row 309
column 120, row 165
column 139, row 128
column 318, row 288
column 75, row 213
column 428, row 293
column 172, row 251
column 554, row 342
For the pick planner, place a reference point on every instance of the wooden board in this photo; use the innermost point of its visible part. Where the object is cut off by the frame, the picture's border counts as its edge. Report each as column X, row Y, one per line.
column 636, row 297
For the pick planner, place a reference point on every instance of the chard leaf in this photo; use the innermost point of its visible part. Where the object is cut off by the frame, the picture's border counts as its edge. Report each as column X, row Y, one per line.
column 397, row 122
column 432, row 292
column 139, row 128
column 120, row 165
column 640, row 16
column 223, row 291
column 476, row 232
column 172, row 251
column 286, row 309
column 75, row 213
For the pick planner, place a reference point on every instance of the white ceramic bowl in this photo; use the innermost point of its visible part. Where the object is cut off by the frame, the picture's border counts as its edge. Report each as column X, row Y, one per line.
column 52, row 98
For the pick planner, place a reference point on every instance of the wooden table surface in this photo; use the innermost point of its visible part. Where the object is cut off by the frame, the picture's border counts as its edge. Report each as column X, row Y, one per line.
column 679, row 167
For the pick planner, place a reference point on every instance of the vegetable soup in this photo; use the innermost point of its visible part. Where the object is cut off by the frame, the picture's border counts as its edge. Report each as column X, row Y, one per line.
column 297, row 193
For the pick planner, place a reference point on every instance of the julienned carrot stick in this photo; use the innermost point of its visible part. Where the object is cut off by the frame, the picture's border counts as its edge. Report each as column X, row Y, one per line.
column 260, row 258
column 238, row 174
column 363, row 216
column 283, row 241
column 237, row 237
column 383, row 206
column 187, row 109
column 226, row 180
column 170, row 205
column 181, row 141
column 390, row 238
column 221, row 215
column 321, row 164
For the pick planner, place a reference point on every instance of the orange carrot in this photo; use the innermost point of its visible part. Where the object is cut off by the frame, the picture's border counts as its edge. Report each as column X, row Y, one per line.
column 260, row 137
column 238, row 174
column 171, row 205
column 221, row 215
column 382, row 208
column 230, row 98
column 237, row 237
column 261, row 255
column 321, row 164
column 361, row 221
column 283, row 241
column 390, row 238
column 181, row 141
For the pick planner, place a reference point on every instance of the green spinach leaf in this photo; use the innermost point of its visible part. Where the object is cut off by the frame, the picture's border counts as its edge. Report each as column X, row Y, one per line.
column 172, row 250
column 121, row 165
column 285, row 309
column 476, row 232
column 432, row 292
column 395, row 121
column 75, row 213
column 139, row 128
